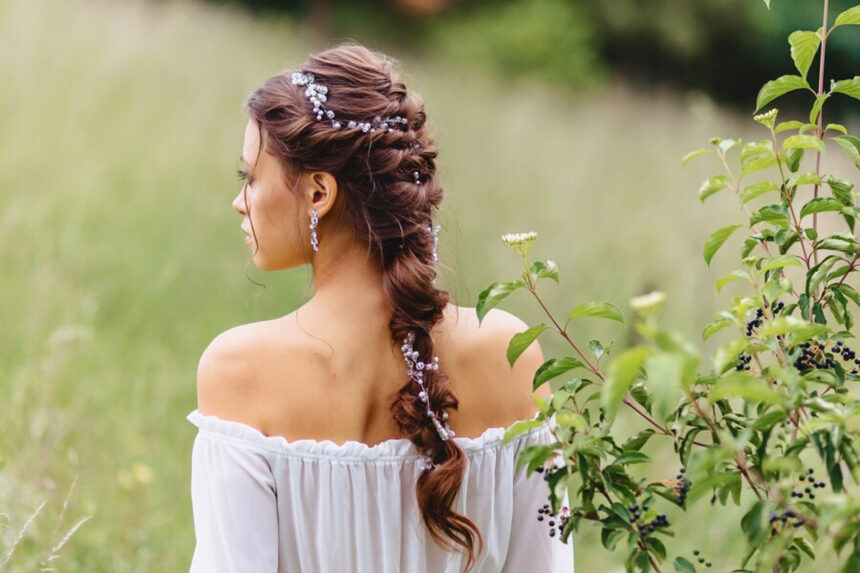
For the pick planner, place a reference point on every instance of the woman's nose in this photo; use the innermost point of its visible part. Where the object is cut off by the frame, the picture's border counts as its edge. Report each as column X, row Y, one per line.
column 239, row 202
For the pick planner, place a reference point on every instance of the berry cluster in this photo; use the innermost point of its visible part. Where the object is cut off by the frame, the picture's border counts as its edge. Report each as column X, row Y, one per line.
column 700, row 559
column 646, row 527
column 816, row 355
column 682, row 486
column 756, row 322
column 759, row 317
column 563, row 517
column 784, row 517
column 805, row 482
column 743, row 361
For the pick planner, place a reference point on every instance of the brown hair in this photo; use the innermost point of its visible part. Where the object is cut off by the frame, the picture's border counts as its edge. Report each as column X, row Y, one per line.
column 391, row 214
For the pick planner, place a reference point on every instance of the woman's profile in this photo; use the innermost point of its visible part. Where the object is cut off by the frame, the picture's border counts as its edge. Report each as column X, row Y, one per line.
column 361, row 433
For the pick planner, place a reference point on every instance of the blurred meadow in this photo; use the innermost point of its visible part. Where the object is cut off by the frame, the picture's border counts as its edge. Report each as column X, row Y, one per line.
column 122, row 258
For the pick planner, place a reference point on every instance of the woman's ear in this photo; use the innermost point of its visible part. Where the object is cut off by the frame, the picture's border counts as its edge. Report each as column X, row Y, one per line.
column 322, row 191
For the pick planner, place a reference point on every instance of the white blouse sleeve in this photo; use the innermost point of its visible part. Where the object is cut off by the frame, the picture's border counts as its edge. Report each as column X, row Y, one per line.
column 235, row 507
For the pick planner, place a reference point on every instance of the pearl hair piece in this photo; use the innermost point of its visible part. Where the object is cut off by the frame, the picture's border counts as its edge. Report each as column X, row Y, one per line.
column 435, row 231
column 416, row 371
column 317, row 94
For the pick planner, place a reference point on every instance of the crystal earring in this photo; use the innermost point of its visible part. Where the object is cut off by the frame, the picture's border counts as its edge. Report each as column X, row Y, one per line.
column 314, row 221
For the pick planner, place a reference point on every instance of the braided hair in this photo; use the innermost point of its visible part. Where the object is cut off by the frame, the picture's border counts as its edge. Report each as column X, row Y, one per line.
column 391, row 213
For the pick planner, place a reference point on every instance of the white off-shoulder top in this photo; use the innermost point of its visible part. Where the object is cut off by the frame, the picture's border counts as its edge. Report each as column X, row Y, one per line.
column 264, row 504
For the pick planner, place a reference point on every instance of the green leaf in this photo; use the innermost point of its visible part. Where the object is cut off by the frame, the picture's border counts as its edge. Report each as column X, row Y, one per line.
column 804, row 545
column 818, row 273
column 715, row 327
column 775, row 88
column 610, row 537
column 632, row 457
column 712, row 185
column 716, row 240
column 693, row 155
column 726, row 279
column 681, row 565
column 664, row 379
column 836, row 127
column 635, row 443
column 851, row 16
column 552, row 368
column 544, row 269
column 820, row 205
column 793, row 158
column 848, row 87
column 596, row 309
column 774, row 214
column 810, row 178
column 804, row 45
column 803, row 142
column 851, row 145
column 596, row 348
column 752, row 524
column 787, row 125
column 493, row 294
column 780, row 261
column 741, row 385
column 758, row 162
column 849, row 292
column 757, row 189
column 519, row 428
column 571, row 420
column 521, row 341
column 841, row 190
column 622, row 371
column 816, row 109
column 788, row 324
column 838, row 243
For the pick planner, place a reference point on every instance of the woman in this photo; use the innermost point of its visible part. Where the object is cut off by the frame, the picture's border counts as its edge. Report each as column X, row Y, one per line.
column 362, row 432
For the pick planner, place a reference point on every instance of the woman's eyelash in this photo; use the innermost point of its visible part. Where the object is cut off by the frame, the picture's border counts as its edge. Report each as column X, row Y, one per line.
column 243, row 175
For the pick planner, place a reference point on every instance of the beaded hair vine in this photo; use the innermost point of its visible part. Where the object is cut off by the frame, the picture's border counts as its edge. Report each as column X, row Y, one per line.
column 416, row 371
column 317, row 94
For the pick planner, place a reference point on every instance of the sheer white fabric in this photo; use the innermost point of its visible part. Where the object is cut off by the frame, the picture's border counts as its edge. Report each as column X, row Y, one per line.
column 264, row 504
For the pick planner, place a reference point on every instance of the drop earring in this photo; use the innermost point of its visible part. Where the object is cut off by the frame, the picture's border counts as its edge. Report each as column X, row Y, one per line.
column 314, row 221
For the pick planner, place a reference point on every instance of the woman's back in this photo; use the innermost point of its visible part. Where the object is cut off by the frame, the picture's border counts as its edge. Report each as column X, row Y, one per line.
column 319, row 374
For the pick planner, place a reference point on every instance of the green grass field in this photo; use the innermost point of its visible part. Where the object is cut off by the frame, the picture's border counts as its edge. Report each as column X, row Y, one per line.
column 122, row 257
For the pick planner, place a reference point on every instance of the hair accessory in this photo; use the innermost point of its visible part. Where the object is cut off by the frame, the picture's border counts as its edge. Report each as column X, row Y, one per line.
column 417, row 177
column 315, row 243
column 416, row 373
column 316, row 93
column 435, row 231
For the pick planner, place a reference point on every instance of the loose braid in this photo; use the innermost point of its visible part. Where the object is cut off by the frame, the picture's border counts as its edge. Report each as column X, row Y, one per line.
column 392, row 214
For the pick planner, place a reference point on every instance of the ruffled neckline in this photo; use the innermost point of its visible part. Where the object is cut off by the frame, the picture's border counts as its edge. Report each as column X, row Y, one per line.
column 387, row 450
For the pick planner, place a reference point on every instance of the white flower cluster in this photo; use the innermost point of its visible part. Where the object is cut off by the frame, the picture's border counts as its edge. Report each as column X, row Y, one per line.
column 317, row 94
column 521, row 242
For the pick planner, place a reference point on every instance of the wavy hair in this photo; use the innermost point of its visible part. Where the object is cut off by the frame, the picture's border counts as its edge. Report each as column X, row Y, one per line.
column 391, row 214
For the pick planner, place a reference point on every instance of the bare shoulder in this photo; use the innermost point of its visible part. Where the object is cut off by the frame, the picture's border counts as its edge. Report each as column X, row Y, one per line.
column 226, row 378
column 506, row 391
